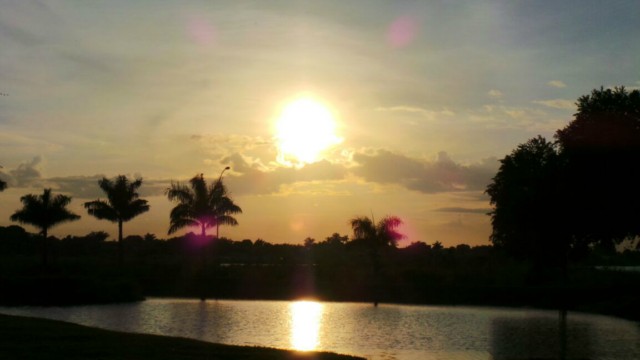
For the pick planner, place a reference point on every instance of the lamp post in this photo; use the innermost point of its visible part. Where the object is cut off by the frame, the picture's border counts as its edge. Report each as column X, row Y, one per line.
column 220, row 184
column 222, row 172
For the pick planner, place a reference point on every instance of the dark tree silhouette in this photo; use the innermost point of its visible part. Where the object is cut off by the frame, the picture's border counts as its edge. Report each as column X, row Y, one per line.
column 122, row 205
column 376, row 238
column 44, row 212
column 201, row 205
column 528, row 205
column 602, row 149
column 204, row 206
column 3, row 184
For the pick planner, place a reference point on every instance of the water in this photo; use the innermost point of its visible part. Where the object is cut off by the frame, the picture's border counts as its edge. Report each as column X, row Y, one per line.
column 385, row 332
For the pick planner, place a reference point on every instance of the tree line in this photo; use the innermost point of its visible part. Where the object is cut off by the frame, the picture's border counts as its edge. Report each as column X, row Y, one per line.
column 198, row 204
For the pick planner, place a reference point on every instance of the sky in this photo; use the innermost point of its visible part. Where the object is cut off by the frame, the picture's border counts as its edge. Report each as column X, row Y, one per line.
column 422, row 100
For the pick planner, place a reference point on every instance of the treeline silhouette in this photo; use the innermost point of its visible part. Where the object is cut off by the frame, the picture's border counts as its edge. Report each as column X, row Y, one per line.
column 84, row 269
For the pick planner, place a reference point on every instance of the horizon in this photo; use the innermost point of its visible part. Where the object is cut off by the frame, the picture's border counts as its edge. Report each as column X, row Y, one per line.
column 412, row 105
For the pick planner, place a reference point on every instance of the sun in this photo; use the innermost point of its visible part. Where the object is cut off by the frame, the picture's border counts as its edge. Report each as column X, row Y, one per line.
column 304, row 129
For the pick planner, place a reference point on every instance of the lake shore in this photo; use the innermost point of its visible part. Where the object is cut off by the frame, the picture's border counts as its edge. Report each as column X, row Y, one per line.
column 31, row 338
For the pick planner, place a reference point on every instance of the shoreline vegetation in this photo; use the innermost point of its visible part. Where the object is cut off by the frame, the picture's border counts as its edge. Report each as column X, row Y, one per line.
column 87, row 270
column 32, row 338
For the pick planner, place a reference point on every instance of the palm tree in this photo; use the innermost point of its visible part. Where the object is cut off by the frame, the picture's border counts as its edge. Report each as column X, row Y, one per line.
column 122, row 205
column 201, row 205
column 380, row 235
column 377, row 238
column 204, row 206
column 44, row 212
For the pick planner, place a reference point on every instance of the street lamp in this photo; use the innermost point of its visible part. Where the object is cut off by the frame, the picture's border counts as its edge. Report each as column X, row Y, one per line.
column 222, row 172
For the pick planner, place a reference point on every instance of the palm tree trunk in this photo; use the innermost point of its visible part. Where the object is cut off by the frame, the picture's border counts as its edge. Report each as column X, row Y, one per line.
column 376, row 277
column 203, row 270
column 120, row 244
column 45, row 251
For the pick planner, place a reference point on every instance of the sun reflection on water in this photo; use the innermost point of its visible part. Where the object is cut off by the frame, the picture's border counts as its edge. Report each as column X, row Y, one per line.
column 305, row 329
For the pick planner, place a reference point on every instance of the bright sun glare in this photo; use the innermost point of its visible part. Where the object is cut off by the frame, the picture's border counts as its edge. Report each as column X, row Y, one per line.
column 304, row 130
column 306, row 317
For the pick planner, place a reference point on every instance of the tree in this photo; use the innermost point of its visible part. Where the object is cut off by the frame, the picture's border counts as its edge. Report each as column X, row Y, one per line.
column 337, row 240
column 44, row 212
column 3, row 184
column 122, row 205
column 204, row 206
column 201, row 205
column 376, row 238
column 602, row 151
column 223, row 207
column 528, row 204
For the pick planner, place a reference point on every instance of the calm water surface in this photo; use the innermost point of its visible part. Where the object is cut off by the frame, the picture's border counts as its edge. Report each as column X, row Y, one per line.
column 385, row 332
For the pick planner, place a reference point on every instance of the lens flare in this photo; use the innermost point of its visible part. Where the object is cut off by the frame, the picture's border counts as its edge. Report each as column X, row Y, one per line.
column 402, row 31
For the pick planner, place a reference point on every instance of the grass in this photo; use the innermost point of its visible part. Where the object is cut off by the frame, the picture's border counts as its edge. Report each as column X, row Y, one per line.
column 31, row 338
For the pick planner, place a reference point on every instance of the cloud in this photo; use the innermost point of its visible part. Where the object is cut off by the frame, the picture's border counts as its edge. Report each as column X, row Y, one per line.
column 429, row 114
column 86, row 187
column 530, row 119
column 463, row 210
column 249, row 176
column 219, row 147
column 254, row 178
column 557, row 84
column 557, row 104
column 496, row 94
column 439, row 175
column 25, row 175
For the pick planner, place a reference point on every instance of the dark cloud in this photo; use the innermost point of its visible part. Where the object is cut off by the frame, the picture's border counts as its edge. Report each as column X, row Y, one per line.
column 86, row 187
column 78, row 186
column 250, row 176
column 26, row 174
column 440, row 175
column 254, row 178
column 384, row 167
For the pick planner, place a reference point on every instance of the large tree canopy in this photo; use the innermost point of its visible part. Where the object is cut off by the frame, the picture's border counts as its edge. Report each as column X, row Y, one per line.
column 602, row 149
column 551, row 198
column 528, row 206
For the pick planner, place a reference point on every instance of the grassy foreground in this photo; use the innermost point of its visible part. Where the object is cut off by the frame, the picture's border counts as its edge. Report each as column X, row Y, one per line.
column 31, row 338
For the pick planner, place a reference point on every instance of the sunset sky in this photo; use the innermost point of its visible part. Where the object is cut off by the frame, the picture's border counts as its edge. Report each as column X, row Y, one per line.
column 419, row 99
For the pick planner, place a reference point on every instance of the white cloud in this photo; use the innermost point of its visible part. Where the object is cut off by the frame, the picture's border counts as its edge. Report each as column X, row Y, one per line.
column 557, row 84
column 557, row 104
column 429, row 114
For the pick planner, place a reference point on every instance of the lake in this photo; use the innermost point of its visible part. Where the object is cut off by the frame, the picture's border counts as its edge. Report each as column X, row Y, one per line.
column 383, row 332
